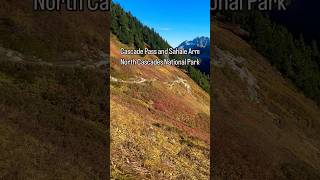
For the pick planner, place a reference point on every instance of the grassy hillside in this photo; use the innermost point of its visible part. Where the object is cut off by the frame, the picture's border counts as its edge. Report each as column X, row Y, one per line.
column 132, row 32
column 52, row 36
column 52, row 93
column 160, row 122
column 265, row 127
column 52, row 122
column 296, row 58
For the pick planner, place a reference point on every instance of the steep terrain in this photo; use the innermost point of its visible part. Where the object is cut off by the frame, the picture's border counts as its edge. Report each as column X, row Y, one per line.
column 52, row 93
column 265, row 127
column 159, row 121
column 52, row 36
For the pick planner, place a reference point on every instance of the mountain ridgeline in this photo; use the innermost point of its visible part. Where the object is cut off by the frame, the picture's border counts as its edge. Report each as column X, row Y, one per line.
column 130, row 31
column 199, row 42
column 202, row 44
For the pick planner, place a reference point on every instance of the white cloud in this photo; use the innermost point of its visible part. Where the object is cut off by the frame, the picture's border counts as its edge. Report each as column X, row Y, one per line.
column 164, row 29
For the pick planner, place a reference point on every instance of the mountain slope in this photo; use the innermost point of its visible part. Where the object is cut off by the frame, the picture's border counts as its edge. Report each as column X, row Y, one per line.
column 52, row 36
column 52, row 120
column 202, row 44
column 199, row 42
column 52, row 93
column 159, row 121
column 265, row 127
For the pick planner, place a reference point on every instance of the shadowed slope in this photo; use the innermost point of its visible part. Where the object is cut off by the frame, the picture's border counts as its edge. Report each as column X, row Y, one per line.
column 266, row 128
column 52, row 93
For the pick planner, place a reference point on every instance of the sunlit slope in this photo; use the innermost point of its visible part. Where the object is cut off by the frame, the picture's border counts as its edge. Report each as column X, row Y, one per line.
column 159, row 122
column 266, row 128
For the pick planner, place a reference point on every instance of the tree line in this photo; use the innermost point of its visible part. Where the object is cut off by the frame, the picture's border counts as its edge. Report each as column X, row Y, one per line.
column 292, row 56
column 129, row 30
column 199, row 77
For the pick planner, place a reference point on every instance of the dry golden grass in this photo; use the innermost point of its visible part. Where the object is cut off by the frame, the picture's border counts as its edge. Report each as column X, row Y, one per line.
column 143, row 148
column 158, row 131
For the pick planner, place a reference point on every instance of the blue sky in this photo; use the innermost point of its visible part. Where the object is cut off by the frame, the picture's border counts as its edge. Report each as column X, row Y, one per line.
column 175, row 20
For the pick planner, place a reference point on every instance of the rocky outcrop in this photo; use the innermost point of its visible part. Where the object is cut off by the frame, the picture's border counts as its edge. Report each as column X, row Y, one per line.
column 225, row 58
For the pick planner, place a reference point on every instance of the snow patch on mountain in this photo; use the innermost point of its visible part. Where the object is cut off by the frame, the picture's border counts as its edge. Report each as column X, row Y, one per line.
column 199, row 42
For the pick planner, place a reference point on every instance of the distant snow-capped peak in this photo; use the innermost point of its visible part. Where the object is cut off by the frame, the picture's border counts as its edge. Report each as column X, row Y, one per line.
column 199, row 42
